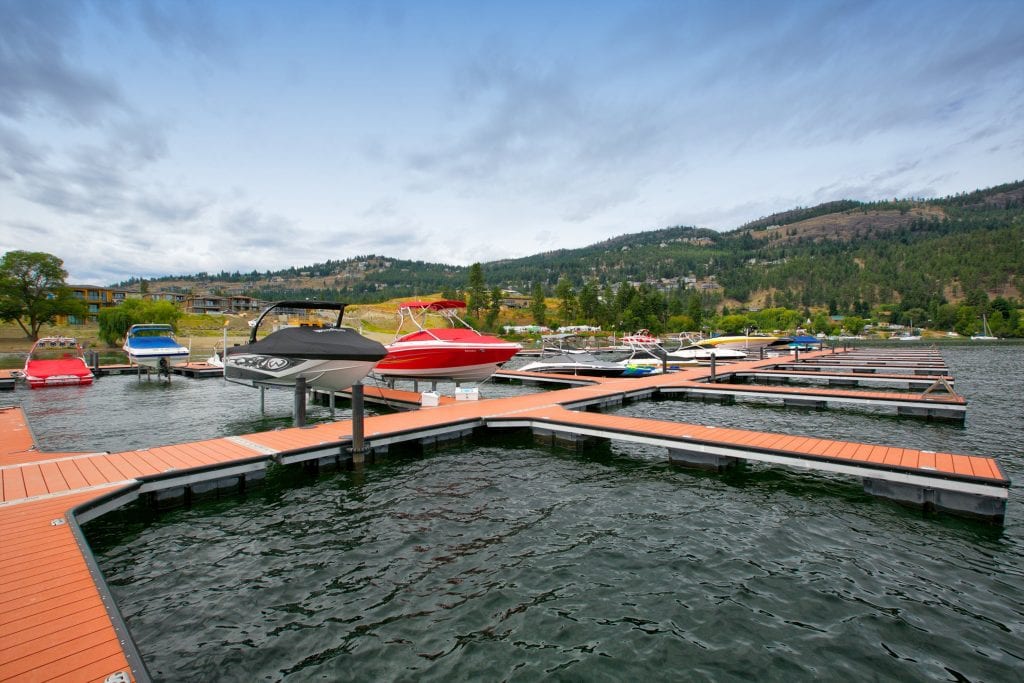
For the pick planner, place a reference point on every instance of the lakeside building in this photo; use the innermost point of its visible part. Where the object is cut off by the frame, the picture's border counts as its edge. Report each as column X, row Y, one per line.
column 214, row 304
column 96, row 299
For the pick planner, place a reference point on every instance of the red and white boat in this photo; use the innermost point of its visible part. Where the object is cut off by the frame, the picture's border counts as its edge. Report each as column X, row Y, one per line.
column 641, row 339
column 57, row 362
column 457, row 353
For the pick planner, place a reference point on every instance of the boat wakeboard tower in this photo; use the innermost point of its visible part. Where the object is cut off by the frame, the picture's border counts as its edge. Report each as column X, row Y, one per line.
column 331, row 357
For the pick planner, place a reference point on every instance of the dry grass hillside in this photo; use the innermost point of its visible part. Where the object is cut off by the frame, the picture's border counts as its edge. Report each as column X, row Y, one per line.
column 847, row 225
column 376, row 321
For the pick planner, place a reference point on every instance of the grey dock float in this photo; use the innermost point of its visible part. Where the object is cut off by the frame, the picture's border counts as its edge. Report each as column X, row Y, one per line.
column 197, row 370
column 925, row 478
column 900, row 367
column 947, row 407
column 839, row 379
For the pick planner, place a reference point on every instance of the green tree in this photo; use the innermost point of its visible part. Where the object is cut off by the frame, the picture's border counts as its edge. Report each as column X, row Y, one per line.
column 734, row 324
column 33, row 292
column 589, row 303
column 821, row 323
column 567, row 300
column 493, row 310
column 681, row 323
column 114, row 322
column 476, row 291
column 695, row 310
column 538, row 307
column 854, row 324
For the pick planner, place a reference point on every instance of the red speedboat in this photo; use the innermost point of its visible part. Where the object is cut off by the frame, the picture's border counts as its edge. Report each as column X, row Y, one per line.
column 57, row 362
column 457, row 353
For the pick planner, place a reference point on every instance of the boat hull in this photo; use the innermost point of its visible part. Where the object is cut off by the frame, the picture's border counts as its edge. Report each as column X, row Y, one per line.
column 444, row 360
column 256, row 370
column 56, row 362
column 695, row 356
column 580, row 370
column 331, row 359
column 155, row 359
column 71, row 372
column 738, row 342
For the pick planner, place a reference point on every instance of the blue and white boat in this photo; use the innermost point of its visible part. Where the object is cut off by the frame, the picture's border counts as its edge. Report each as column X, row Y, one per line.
column 154, row 346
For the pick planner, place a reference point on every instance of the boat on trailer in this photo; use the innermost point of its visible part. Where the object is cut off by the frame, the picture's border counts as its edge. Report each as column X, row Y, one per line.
column 330, row 357
column 153, row 345
column 56, row 362
column 456, row 353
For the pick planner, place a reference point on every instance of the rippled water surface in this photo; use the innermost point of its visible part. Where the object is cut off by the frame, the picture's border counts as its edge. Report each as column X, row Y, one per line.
column 501, row 560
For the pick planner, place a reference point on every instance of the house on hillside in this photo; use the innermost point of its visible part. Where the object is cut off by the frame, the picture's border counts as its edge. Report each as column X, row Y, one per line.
column 512, row 299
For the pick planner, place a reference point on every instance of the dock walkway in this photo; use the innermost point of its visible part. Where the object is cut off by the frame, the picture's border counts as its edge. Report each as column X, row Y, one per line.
column 59, row 622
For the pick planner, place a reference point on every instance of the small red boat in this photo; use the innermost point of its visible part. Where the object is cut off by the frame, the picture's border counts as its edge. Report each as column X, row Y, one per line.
column 457, row 353
column 57, row 362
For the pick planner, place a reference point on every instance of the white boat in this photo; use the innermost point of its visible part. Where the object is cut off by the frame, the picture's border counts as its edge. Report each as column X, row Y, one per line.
column 641, row 339
column 748, row 343
column 216, row 359
column 329, row 358
column 153, row 345
column 697, row 354
column 986, row 334
column 909, row 334
column 577, row 363
column 568, row 360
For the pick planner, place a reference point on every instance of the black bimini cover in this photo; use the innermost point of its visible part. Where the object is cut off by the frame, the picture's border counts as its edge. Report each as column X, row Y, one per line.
column 315, row 342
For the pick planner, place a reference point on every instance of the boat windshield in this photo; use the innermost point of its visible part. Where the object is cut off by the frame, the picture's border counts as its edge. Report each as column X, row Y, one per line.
column 417, row 312
column 151, row 330
column 54, row 349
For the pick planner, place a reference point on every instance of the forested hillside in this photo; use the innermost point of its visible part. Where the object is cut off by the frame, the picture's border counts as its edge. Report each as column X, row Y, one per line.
column 847, row 256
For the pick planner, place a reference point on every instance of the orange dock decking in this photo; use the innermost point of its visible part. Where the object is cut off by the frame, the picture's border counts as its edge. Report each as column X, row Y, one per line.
column 59, row 623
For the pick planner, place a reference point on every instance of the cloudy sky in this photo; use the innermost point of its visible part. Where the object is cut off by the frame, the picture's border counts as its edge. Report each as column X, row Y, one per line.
column 144, row 137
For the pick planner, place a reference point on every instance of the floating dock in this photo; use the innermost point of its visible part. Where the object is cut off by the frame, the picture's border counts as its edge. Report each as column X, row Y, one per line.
column 7, row 380
column 841, row 379
column 59, row 622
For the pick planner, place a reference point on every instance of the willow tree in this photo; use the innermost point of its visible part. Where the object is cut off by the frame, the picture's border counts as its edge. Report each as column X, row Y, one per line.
column 114, row 322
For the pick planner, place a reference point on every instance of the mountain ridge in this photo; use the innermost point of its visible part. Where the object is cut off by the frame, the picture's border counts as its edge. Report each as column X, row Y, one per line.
column 870, row 248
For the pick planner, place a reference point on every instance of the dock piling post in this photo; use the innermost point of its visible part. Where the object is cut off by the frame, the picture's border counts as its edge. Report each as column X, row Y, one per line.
column 263, row 400
column 299, row 407
column 712, row 366
column 358, row 449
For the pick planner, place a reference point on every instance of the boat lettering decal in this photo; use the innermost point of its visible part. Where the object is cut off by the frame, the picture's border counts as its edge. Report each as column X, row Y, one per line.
column 270, row 364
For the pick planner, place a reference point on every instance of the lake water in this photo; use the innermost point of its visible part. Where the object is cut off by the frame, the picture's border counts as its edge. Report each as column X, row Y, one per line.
column 501, row 560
